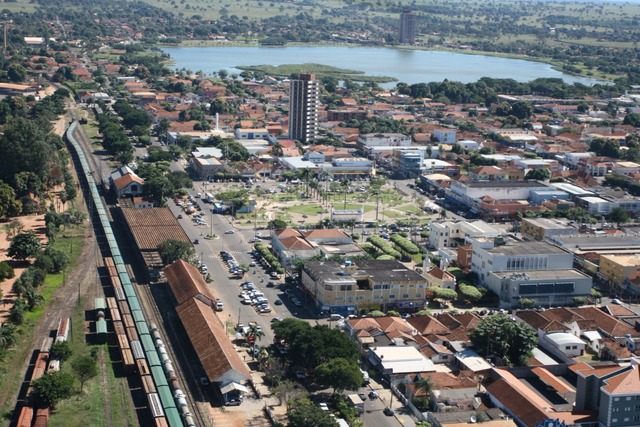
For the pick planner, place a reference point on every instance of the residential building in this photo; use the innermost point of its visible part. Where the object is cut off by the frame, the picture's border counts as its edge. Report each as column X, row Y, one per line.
column 488, row 173
column 396, row 362
column 454, row 233
column 542, row 228
column 289, row 244
column 346, row 115
column 407, row 30
column 618, row 268
column 439, row 278
column 384, row 140
column 304, row 101
column 369, row 285
column 445, row 135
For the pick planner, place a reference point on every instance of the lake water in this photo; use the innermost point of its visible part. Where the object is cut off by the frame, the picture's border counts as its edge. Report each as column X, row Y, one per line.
column 407, row 65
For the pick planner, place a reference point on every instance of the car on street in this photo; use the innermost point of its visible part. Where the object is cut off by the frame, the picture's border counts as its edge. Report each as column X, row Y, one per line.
column 388, row 412
column 229, row 232
column 373, row 394
column 180, row 216
column 265, row 309
column 278, row 302
column 271, row 285
column 363, row 396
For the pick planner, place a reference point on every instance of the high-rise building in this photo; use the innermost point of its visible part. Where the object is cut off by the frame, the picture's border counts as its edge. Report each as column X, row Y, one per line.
column 407, row 27
column 304, row 100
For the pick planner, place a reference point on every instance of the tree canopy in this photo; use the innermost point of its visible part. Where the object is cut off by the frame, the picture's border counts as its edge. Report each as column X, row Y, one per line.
column 339, row 373
column 511, row 341
column 171, row 250
column 305, row 413
column 24, row 245
column 53, row 387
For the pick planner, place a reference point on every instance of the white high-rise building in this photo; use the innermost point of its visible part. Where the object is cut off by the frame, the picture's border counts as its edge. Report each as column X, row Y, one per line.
column 304, row 101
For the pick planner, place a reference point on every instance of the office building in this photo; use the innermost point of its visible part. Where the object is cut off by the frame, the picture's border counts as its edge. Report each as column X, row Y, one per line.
column 407, row 28
column 304, row 100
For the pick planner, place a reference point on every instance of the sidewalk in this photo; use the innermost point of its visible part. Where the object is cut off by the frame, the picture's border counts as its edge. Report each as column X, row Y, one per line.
column 402, row 414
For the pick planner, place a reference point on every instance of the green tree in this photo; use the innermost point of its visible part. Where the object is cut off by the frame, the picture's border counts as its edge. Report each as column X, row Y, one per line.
column 85, row 368
column 277, row 224
column 61, row 350
column 288, row 391
column 7, row 335
column 16, row 73
column 305, row 413
column 470, row 293
column 171, row 250
column 53, row 387
column 522, row 110
column 32, row 298
column 618, row 215
column 8, row 203
column 341, row 374
column 539, row 174
column 16, row 312
column 499, row 335
column 24, row 245
column 6, row 271
column 444, row 293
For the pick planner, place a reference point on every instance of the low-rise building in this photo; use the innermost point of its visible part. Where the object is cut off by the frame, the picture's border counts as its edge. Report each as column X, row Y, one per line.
column 369, row 285
column 439, row 278
column 455, row 233
column 541, row 228
column 618, row 268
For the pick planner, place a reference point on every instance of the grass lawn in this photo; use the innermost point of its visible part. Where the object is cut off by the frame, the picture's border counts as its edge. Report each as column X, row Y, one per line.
column 16, row 355
column 410, row 209
column 90, row 404
column 392, row 214
column 306, row 209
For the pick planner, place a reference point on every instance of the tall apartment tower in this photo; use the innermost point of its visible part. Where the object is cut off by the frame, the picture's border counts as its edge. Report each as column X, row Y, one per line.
column 304, row 100
column 407, row 27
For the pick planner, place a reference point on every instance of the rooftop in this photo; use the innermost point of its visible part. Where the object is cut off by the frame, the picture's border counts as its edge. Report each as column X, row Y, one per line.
column 547, row 224
column 527, row 275
column 377, row 270
column 527, row 248
column 502, row 184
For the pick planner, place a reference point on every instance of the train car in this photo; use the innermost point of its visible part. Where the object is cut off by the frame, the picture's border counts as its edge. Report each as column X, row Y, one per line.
column 155, row 405
column 123, row 342
column 26, row 416
column 143, row 367
column 100, row 304
column 128, row 361
column 114, row 313
column 108, row 261
column 136, row 349
column 161, row 422
column 54, row 365
column 147, row 384
column 134, row 304
column 45, row 347
column 142, row 328
column 130, row 272
column 127, row 320
column 63, row 329
column 124, row 307
column 112, row 303
column 132, row 334
column 40, row 367
column 119, row 293
column 153, row 359
column 166, row 396
column 101, row 331
column 115, row 282
column 42, row 417
column 111, row 269
column 118, row 328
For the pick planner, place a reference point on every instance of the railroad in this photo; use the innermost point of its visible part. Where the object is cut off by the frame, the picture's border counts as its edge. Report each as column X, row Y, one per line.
column 167, row 408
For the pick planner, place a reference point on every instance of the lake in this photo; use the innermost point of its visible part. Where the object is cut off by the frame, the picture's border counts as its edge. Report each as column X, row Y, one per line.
column 407, row 65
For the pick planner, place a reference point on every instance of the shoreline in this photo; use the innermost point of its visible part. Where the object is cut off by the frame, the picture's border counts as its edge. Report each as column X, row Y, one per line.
column 553, row 64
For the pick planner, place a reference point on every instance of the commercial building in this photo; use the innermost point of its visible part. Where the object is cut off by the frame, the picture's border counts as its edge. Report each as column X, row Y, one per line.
column 454, row 233
column 304, row 101
column 407, row 33
column 289, row 244
column 369, row 285
column 618, row 268
column 542, row 228
column 471, row 193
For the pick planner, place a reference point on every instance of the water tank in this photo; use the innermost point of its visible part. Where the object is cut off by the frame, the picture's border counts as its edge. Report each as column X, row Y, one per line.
column 498, row 240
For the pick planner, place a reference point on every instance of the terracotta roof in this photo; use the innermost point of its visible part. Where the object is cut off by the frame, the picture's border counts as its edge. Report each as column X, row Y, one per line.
column 441, row 274
column 295, row 242
column 518, row 400
column 152, row 226
column 287, row 232
column 609, row 324
column 553, row 381
column 219, row 359
column 619, row 311
column 186, row 282
column 624, row 383
column 127, row 179
column 428, row 325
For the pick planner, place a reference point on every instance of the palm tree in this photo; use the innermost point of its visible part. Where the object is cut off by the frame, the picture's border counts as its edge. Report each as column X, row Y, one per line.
column 345, row 186
column 424, row 384
column 254, row 335
column 32, row 298
column 7, row 335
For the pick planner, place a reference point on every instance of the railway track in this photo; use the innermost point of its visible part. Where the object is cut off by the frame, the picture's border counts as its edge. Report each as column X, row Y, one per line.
column 169, row 336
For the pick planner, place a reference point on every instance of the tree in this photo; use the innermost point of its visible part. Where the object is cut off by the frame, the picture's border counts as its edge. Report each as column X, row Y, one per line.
column 8, row 203
column 499, row 335
column 253, row 335
column 522, row 110
column 538, row 174
column 171, row 250
column 288, row 391
column 85, row 367
column 339, row 373
column 618, row 215
column 469, row 292
column 7, row 335
column 6, row 271
column 53, row 387
column 61, row 351
column 16, row 73
column 444, row 293
column 277, row 224
column 304, row 413
column 16, row 312
column 32, row 298
column 24, row 245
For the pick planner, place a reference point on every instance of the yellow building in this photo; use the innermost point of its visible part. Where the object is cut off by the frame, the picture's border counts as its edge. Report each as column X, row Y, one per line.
column 369, row 285
column 617, row 268
column 541, row 228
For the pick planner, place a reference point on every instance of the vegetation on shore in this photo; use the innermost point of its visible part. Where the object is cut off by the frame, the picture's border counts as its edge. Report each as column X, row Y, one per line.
column 287, row 70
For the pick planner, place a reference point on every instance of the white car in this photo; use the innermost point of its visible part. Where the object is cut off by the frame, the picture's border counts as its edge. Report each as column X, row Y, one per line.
column 229, row 232
column 323, row 406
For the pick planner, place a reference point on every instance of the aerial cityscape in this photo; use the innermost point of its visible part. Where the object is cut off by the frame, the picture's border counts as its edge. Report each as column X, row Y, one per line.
column 334, row 213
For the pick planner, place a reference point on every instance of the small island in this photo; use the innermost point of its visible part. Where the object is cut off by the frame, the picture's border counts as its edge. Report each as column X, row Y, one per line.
column 286, row 70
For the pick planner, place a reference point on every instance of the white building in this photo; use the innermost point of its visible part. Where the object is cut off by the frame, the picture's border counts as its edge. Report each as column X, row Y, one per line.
column 447, row 233
column 520, row 256
column 445, row 136
column 469, row 145
column 563, row 342
column 468, row 193
column 252, row 133
column 572, row 159
column 384, row 139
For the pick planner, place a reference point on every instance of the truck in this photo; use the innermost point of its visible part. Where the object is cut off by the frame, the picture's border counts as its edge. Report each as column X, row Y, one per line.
column 208, row 198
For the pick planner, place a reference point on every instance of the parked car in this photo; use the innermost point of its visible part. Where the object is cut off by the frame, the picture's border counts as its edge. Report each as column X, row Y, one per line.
column 229, row 232
column 373, row 394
